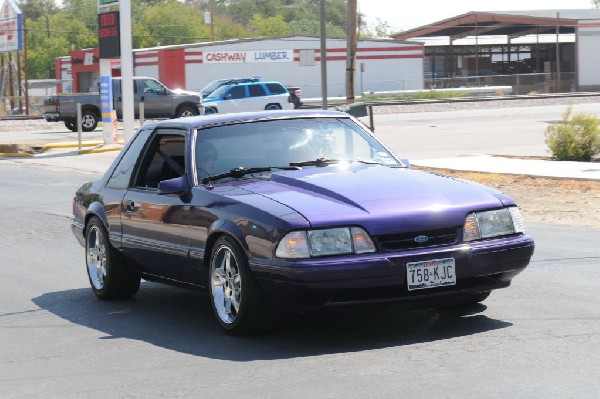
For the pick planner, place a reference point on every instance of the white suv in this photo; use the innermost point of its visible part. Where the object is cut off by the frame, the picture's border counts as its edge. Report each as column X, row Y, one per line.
column 253, row 96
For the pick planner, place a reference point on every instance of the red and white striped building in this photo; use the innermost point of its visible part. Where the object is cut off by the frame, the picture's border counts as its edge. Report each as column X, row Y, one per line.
column 381, row 64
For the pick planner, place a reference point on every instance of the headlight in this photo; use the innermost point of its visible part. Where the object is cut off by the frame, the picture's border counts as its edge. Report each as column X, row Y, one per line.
column 312, row 243
column 495, row 223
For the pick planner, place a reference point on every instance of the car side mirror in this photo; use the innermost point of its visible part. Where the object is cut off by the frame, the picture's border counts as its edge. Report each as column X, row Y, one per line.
column 176, row 186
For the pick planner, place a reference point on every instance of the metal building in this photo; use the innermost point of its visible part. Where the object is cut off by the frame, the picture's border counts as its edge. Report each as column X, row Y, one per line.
column 552, row 50
column 381, row 65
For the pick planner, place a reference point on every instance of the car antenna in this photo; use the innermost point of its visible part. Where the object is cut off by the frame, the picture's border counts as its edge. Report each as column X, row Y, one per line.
column 208, row 183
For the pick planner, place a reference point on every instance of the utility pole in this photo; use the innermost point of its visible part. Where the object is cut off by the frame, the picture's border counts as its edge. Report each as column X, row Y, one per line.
column 351, row 44
column 323, row 35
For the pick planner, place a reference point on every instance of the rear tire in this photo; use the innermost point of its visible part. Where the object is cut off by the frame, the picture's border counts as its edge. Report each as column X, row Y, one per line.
column 237, row 300
column 273, row 107
column 89, row 120
column 109, row 276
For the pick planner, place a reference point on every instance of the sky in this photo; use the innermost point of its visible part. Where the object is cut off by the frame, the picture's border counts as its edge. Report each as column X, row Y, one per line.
column 402, row 15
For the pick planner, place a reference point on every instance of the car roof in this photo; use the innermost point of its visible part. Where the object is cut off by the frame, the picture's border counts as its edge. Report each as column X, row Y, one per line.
column 255, row 83
column 203, row 121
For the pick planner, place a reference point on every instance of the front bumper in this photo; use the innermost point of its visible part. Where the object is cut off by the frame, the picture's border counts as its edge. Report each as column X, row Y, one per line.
column 381, row 277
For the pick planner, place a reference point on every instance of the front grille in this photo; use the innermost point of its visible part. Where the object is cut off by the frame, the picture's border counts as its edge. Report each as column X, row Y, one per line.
column 397, row 242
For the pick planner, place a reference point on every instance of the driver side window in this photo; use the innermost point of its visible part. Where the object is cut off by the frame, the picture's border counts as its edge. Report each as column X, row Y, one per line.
column 152, row 86
column 164, row 160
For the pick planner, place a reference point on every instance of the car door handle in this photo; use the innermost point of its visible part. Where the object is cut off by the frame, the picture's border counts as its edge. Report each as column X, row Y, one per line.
column 129, row 206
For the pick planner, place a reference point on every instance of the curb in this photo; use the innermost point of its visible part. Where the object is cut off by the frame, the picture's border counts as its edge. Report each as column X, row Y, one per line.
column 15, row 155
column 100, row 149
column 71, row 145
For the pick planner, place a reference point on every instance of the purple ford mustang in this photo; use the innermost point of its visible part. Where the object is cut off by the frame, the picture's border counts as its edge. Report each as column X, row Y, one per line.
column 288, row 211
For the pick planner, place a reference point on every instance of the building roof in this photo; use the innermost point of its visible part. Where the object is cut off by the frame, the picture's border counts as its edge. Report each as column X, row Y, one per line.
column 506, row 23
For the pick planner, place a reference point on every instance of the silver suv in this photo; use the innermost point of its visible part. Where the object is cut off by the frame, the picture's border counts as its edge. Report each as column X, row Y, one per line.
column 253, row 96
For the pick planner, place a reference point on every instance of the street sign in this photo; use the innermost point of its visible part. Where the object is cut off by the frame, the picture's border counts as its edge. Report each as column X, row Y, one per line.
column 107, row 3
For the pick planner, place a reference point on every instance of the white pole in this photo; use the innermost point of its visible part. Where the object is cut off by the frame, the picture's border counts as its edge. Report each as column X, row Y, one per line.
column 126, row 69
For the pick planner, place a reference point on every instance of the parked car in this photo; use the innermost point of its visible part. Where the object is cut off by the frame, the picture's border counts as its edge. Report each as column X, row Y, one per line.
column 215, row 84
column 291, row 211
column 253, row 96
column 159, row 102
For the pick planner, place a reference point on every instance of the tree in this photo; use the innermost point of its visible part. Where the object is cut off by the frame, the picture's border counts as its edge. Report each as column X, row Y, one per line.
column 174, row 23
column 34, row 9
column 52, row 37
column 269, row 26
column 85, row 11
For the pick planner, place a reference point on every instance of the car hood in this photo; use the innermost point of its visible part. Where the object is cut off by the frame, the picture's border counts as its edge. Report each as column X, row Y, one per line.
column 380, row 198
column 182, row 92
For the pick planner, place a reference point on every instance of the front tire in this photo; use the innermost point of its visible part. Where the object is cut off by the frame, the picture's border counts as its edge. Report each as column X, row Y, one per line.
column 187, row 111
column 71, row 125
column 237, row 300
column 109, row 276
column 474, row 299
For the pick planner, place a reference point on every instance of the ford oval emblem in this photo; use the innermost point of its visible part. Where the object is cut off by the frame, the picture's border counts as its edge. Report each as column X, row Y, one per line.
column 421, row 239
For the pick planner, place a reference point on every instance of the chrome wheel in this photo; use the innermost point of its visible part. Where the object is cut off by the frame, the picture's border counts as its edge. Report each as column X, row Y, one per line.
column 88, row 122
column 96, row 257
column 226, row 284
column 187, row 111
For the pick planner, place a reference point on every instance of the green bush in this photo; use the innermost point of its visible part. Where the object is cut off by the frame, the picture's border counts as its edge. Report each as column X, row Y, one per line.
column 574, row 139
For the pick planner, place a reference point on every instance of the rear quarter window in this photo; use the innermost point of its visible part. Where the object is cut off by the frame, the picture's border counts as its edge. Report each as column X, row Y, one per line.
column 276, row 88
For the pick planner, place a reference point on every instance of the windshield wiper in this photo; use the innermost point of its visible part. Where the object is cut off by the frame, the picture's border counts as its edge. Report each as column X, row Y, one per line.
column 319, row 162
column 366, row 162
column 241, row 172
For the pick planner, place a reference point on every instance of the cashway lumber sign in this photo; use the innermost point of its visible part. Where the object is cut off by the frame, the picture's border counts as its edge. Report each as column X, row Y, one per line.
column 11, row 27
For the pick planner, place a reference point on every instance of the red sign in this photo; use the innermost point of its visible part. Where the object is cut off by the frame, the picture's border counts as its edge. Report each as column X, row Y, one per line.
column 109, row 36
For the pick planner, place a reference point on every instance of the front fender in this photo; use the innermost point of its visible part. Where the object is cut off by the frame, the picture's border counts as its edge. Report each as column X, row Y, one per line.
column 254, row 238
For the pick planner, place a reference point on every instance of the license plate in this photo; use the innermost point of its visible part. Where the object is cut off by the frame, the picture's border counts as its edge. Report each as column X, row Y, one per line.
column 430, row 273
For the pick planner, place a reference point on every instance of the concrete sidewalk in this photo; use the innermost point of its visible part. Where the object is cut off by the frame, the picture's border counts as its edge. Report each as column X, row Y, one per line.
column 513, row 165
column 96, row 157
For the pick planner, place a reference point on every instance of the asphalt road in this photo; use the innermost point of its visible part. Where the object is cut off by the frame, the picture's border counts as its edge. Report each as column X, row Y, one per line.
column 539, row 338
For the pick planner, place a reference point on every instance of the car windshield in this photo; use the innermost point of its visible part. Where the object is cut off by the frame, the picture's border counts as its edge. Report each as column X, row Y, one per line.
column 281, row 144
column 212, row 86
column 218, row 92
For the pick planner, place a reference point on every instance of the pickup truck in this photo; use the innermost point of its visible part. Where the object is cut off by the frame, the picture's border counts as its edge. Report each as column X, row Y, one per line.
column 159, row 102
